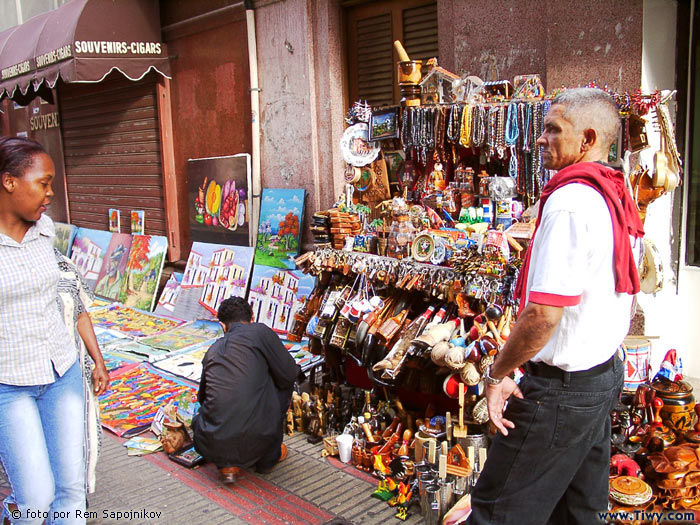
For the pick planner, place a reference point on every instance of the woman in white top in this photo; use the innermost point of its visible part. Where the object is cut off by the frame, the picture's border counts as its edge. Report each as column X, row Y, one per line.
column 41, row 389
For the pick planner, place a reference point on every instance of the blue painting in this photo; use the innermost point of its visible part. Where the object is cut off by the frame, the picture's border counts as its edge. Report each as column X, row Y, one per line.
column 279, row 230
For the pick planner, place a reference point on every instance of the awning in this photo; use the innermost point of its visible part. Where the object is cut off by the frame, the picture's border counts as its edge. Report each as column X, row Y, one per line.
column 81, row 41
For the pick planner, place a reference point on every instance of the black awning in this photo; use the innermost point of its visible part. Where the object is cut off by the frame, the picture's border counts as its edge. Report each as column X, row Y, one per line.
column 81, row 41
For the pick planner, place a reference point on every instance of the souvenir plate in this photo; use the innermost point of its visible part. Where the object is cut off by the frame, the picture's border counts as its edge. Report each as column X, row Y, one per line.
column 423, row 247
column 439, row 252
column 355, row 146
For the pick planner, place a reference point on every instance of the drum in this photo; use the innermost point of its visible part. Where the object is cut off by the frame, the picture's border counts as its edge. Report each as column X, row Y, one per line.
column 637, row 367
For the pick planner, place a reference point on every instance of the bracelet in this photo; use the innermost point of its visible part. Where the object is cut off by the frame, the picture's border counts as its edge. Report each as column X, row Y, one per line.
column 488, row 379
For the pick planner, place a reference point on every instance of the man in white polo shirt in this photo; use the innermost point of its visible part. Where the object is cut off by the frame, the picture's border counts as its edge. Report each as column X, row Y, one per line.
column 549, row 464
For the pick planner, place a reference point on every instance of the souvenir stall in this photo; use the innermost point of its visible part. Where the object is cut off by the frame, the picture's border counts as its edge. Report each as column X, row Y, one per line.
column 154, row 351
column 416, row 265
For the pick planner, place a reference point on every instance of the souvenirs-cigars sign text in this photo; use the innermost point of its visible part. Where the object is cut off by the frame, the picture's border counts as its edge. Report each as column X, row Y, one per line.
column 82, row 47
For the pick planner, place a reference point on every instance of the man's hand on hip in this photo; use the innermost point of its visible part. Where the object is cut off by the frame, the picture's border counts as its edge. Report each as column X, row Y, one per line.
column 496, row 397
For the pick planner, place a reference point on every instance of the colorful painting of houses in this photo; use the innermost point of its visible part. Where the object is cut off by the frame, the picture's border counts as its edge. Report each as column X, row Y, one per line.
column 168, row 297
column 213, row 273
column 276, row 295
column 279, row 231
column 89, row 247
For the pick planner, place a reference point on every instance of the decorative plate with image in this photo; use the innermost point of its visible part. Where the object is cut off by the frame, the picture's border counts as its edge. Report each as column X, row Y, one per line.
column 439, row 252
column 355, row 146
column 423, row 247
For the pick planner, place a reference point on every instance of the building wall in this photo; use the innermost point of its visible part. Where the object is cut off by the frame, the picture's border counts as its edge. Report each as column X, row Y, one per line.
column 566, row 42
column 302, row 99
column 209, row 88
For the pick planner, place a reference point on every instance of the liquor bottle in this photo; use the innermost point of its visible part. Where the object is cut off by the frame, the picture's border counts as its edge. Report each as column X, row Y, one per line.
column 419, row 343
column 304, row 313
column 398, row 353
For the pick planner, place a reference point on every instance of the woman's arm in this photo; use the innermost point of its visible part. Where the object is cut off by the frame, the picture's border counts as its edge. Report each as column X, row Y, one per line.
column 100, row 377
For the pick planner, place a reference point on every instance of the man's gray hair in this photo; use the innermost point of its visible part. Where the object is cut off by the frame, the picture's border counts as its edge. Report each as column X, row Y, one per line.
column 591, row 108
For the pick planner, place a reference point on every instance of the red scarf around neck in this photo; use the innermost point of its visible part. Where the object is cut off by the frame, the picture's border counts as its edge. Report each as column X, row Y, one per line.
column 610, row 183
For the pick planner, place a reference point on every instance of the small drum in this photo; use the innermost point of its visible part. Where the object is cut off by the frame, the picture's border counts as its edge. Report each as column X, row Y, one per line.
column 637, row 367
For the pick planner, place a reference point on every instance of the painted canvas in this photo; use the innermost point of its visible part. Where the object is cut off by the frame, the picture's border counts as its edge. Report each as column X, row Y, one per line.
column 168, row 297
column 135, row 394
column 276, row 295
column 89, row 247
column 279, row 230
column 115, row 220
column 113, row 272
column 138, row 222
column 132, row 322
column 185, row 335
column 219, row 199
column 143, row 270
column 213, row 273
column 188, row 363
column 65, row 235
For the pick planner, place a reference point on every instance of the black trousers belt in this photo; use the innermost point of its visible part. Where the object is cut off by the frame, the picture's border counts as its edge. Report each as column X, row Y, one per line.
column 553, row 372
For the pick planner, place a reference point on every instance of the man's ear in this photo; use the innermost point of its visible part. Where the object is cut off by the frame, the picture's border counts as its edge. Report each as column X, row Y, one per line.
column 590, row 139
column 223, row 327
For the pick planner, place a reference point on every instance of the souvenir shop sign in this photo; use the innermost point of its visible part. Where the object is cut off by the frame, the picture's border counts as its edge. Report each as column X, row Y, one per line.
column 213, row 273
column 218, row 199
column 279, row 231
column 276, row 295
column 143, row 270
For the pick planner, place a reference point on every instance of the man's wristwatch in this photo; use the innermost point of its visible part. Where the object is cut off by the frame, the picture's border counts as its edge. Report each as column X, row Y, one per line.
column 488, row 379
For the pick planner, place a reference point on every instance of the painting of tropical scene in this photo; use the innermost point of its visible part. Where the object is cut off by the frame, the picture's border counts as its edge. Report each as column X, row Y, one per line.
column 279, row 230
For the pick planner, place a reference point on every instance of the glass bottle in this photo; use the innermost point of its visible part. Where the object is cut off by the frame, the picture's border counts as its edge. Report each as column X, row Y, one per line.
column 309, row 308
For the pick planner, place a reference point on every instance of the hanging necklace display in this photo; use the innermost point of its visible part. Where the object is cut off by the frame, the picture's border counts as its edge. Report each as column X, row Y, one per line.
column 453, row 129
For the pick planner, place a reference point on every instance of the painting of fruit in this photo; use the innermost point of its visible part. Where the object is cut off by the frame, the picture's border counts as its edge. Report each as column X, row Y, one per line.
column 219, row 199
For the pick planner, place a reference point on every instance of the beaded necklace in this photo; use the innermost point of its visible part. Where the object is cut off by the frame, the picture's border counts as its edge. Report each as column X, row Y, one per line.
column 440, row 125
column 478, row 127
column 501, row 132
column 454, row 123
column 465, row 134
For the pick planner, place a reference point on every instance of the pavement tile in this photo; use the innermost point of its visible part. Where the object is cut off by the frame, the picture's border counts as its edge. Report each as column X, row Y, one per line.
column 278, row 516
column 296, row 511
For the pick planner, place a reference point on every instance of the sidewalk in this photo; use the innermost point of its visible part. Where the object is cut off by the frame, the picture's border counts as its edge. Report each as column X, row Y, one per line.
column 304, row 489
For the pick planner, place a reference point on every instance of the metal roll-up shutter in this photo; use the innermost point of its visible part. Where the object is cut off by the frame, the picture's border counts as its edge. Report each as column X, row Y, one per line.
column 112, row 151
